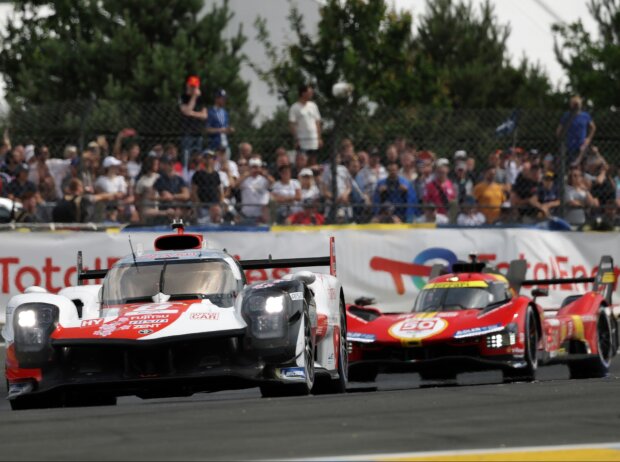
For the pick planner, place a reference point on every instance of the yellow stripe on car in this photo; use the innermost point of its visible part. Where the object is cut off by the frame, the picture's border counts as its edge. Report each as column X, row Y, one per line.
column 455, row 285
column 578, row 327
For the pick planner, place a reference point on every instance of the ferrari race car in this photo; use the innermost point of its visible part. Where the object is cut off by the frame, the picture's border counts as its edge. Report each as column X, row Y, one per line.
column 174, row 321
column 474, row 319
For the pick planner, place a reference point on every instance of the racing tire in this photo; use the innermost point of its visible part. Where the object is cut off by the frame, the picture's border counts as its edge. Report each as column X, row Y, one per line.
column 275, row 390
column 528, row 372
column 339, row 385
column 597, row 366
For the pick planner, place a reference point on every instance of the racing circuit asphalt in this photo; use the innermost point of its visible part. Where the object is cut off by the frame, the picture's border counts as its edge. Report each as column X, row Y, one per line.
column 399, row 417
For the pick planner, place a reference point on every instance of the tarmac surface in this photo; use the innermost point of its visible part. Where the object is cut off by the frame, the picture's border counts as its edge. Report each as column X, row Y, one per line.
column 398, row 416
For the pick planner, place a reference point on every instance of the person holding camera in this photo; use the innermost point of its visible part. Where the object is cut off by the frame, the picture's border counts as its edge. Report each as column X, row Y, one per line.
column 254, row 185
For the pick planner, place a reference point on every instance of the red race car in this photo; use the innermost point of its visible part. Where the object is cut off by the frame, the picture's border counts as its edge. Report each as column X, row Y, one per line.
column 473, row 318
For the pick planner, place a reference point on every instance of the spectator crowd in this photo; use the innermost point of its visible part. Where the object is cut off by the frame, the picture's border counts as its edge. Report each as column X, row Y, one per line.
column 208, row 179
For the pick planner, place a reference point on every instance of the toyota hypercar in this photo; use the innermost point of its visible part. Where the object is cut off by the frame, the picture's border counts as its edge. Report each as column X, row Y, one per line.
column 175, row 321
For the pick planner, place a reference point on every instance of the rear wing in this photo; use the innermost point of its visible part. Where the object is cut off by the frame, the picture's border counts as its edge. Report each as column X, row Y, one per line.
column 268, row 263
column 603, row 281
column 83, row 275
column 295, row 262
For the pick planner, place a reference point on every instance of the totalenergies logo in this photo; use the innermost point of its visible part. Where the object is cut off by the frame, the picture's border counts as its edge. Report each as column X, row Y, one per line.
column 418, row 270
column 552, row 267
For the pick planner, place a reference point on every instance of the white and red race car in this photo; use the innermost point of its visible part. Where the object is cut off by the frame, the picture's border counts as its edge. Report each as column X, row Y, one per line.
column 174, row 321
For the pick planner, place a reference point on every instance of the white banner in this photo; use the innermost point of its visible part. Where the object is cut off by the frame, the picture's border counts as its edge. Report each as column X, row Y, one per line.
column 388, row 265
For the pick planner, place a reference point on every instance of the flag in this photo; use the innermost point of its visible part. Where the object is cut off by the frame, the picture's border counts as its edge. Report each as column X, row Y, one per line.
column 509, row 125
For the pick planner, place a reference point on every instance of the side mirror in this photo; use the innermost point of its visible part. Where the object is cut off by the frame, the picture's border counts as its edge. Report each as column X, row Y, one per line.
column 307, row 277
column 538, row 292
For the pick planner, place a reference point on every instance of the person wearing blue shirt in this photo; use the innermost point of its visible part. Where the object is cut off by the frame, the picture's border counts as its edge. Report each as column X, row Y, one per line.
column 218, row 123
column 397, row 191
column 578, row 129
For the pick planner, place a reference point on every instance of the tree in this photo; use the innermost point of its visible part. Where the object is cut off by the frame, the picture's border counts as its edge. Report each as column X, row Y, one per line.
column 362, row 42
column 467, row 64
column 118, row 50
column 458, row 58
column 592, row 63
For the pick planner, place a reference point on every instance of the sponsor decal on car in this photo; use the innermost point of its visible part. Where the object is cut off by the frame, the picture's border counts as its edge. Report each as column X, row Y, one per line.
column 447, row 314
column 108, row 328
column 360, row 337
column 148, row 321
column 159, row 308
column 149, row 317
column 204, row 316
column 266, row 285
column 146, row 326
column 145, row 331
column 418, row 328
column 91, row 322
column 297, row 296
column 474, row 331
column 291, row 373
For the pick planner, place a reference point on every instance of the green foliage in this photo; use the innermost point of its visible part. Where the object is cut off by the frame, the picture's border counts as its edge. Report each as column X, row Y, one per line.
column 466, row 60
column 361, row 42
column 593, row 63
column 118, row 50
column 456, row 58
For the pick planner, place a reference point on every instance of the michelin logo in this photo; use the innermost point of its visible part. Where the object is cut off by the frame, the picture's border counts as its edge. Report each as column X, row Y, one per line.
column 292, row 373
column 360, row 337
column 478, row 331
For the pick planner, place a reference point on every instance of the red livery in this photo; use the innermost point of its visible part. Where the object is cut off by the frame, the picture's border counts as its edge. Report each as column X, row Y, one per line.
column 473, row 318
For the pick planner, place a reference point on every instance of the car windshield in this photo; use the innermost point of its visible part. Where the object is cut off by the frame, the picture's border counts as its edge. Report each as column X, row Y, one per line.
column 212, row 279
column 458, row 296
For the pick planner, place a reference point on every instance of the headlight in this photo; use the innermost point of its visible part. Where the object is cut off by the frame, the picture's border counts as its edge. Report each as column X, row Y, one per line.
column 34, row 323
column 274, row 304
column 266, row 313
column 503, row 339
column 27, row 318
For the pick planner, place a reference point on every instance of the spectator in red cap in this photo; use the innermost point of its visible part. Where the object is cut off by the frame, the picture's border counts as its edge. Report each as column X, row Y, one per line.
column 194, row 114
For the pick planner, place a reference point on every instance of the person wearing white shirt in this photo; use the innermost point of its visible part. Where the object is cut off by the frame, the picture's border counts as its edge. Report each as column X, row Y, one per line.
column 309, row 189
column 305, row 121
column 469, row 215
column 111, row 182
column 430, row 215
column 254, row 186
column 286, row 192
column 59, row 168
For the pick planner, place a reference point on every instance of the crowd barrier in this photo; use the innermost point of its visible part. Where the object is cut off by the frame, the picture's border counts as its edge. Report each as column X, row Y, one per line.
column 387, row 264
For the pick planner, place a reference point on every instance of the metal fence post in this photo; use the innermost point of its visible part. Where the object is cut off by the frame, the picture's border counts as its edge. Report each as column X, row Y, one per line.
column 562, row 166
